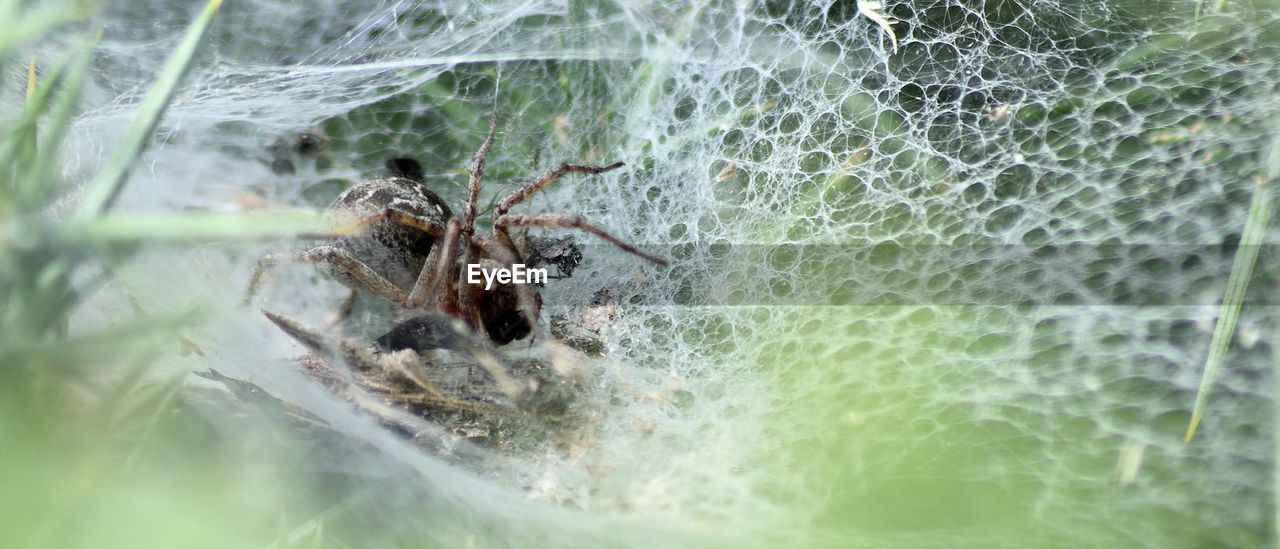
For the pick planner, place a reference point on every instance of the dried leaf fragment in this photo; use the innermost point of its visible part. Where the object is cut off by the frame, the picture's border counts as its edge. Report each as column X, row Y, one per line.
column 871, row 10
column 726, row 172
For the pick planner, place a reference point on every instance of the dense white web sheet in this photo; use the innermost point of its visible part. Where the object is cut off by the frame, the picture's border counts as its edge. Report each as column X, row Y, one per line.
column 1009, row 153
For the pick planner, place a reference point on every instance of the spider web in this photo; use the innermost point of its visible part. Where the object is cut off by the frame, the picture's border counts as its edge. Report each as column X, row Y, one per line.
column 958, row 293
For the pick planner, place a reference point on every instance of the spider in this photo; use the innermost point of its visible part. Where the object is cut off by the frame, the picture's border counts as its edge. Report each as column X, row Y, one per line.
column 283, row 153
column 405, row 244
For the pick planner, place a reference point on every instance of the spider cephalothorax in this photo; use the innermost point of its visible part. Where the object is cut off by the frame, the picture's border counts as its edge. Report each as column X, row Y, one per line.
column 406, row 245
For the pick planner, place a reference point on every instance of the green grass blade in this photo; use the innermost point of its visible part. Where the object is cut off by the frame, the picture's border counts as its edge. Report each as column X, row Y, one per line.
column 168, row 396
column 315, row 525
column 106, row 185
column 96, row 348
column 1241, row 270
column 31, row 92
column 14, row 144
column 18, row 27
column 194, row 226
column 35, row 186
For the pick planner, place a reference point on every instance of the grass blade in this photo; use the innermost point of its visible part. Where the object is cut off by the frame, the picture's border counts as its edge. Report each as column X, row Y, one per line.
column 94, row 349
column 168, row 396
column 35, row 186
column 189, row 226
column 14, row 145
column 1241, row 270
column 18, row 27
column 315, row 525
column 31, row 92
column 106, row 185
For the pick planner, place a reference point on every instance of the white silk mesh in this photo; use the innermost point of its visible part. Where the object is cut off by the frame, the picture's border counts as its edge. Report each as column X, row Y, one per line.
column 980, row 272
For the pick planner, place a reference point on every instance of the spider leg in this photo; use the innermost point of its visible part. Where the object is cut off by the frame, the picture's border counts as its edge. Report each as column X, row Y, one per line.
column 446, row 403
column 361, row 359
column 328, row 254
column 437, row 272
column 571, row 222
column 344, row 261
column 465, row 305
column 522, row 194
column 344, row 313
column 358, row 272
column 309, row 338
column 336, row 258
column 264, row 265
column 545, row 179
column 473, row 195
column 473, row 183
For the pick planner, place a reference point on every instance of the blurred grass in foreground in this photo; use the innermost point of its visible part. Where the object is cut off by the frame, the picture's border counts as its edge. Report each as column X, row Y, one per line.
column 95, row 452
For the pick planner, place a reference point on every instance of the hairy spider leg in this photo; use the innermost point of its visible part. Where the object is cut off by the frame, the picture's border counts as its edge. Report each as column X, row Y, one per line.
column 473, row 183
column 348, row 306
column 531, row 188
column 440, row 281
column 335, row 257
column 465, row 303
column 438, row 273
column 572, row 222
column 340, row 258
column 523, row 193
column 309, row 338
column 527, row 300
column 360, row 358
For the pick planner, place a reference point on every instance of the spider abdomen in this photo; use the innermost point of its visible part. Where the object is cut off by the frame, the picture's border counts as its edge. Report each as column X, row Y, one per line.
column 389, row 247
